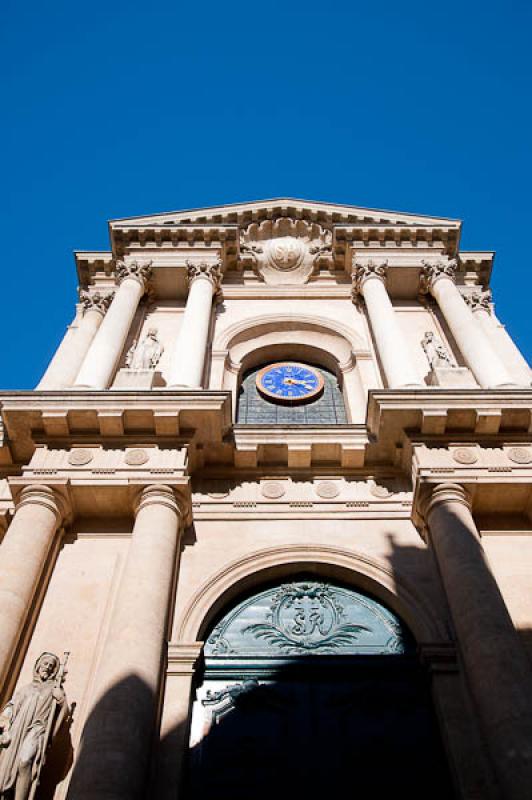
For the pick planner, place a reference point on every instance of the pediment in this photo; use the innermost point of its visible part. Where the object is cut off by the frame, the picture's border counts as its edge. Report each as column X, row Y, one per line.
column 259, row 211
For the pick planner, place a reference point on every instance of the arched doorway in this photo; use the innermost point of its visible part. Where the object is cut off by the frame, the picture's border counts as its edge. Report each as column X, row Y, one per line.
column 310, row 687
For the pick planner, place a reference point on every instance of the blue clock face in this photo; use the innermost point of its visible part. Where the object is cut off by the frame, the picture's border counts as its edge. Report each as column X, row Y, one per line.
column 289, row 382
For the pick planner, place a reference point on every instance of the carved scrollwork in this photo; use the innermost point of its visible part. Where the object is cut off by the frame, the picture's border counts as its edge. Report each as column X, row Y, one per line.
column 211, row 270
column 95, row 301
column 434, row 270
column 136, row 270
column 364, row 269
column 479, row 301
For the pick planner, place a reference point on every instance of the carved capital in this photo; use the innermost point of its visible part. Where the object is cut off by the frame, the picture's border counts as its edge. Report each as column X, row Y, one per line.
column 206, row 270
column 95, row 301
column 365, row 269
column 434, row 271
column 479, row 301
column 136, row 270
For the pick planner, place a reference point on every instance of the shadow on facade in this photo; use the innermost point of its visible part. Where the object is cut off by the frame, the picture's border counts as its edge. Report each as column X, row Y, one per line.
column 105, row 766
column 309, row 725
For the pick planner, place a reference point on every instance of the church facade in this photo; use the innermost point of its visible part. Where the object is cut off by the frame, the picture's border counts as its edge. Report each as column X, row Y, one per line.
column 273, row 495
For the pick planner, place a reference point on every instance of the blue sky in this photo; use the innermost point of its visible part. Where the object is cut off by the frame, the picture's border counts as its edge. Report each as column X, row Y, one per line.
column 114, row 109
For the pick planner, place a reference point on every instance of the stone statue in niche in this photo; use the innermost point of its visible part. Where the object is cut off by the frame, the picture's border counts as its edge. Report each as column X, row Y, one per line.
column 28, row 724
column 145, row 354
column 436, row 352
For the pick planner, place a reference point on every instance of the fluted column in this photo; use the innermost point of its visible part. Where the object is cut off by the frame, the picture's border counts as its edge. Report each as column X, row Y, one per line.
column 369, row 280
column 479, row 355
column 498, row 671
column 23, row 555
column 100, row 362
column 188, row 360
column 480, row 304
column 118, row 736
column 70, row 354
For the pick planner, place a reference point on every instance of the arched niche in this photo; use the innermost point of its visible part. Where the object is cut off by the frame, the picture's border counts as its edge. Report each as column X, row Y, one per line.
column 330, row 563
column 315, row 341
column 311, row 683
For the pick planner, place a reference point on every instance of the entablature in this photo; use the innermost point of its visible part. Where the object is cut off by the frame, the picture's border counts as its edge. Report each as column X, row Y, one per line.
column 67, row 419
column 394, row 416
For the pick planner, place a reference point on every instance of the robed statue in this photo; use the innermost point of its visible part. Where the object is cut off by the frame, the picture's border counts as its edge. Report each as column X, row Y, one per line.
column 28, row 723
column 436, row 352
column 145, row 354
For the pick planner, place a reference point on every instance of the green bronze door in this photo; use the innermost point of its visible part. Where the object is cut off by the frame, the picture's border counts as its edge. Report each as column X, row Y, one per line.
column 312, row 688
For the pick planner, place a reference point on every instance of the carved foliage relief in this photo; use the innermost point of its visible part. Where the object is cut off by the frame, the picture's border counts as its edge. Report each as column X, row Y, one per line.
column 307, row 618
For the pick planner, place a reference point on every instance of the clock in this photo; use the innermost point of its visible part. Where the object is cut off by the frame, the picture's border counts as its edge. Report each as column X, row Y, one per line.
column 289, row 382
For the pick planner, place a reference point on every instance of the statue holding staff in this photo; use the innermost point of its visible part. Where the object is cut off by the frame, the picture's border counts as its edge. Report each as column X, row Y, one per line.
column 28, row 723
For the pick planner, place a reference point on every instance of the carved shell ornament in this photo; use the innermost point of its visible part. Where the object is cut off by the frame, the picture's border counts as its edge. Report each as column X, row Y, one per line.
column 285, row 250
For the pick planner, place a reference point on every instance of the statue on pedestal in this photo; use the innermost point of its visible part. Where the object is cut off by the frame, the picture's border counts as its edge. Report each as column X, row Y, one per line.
column 145, row 354
column 436, row 352
column 28, row 723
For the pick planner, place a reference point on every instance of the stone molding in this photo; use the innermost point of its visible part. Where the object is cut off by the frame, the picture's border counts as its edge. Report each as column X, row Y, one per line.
column 140, row 271
column 182, row 658
column 39, row 494
column 160, row 495
column 436, row 270
column 444, row 493
column 440, row 657
column 95, row 301
column 360, row 570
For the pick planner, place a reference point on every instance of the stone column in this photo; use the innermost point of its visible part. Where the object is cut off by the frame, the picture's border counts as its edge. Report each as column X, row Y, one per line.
column 23, row 554
column 481, row 305
column 497, row 669
column 69, row 356
column 369, row 281
column 477, row 351
column 117, row 740
column 188, row 360
column 100, row 362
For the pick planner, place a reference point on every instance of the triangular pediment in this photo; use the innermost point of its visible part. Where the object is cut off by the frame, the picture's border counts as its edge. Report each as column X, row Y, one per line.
column 259, row 210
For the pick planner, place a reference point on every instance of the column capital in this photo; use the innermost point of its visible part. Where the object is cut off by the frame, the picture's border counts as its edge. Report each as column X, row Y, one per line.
column 435, row 270
column 207, row 270
column 479, row 301
column 95, row 301
column 363, row 270
column 38, row 494
column 140, row 271
column 443, row 493
column 161, row 495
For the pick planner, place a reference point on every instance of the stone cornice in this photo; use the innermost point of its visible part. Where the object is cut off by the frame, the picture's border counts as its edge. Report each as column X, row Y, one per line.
column 309, row 210
column 68, row 418
column 437, row 411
